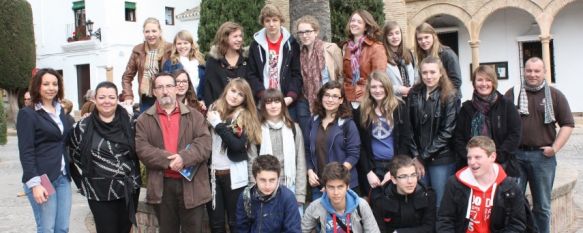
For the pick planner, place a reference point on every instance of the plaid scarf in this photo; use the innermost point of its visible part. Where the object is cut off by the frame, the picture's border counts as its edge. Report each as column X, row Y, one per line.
column 151, row 68
column 312, row 66
column 548, row 101
column 355, row 52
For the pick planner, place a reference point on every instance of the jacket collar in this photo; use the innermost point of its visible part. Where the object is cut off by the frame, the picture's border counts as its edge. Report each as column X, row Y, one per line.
column 152, row 110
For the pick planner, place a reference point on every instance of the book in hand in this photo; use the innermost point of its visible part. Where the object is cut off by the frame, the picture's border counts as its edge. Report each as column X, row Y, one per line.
column 46, row 183
column 189, row 172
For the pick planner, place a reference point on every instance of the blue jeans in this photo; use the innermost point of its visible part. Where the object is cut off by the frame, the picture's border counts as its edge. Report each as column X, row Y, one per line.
column 300, row 113
column 146, row 102
column 539, row 171
column 436, row 177
column 53, row 215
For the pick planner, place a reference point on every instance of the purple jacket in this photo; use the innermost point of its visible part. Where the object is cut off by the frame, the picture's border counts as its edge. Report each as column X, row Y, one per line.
column 343, row 145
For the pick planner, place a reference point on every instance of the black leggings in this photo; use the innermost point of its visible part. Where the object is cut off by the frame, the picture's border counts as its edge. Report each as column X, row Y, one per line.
column 225, row 201
column 112, row 216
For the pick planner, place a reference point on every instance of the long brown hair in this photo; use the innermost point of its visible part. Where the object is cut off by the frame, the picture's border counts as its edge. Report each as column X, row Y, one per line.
column 271, row 95
column 402, row 50
column 371, row 28
column 222, row 36
column 343, row 110
column 435, row 48
column 388, row 104
column 447, row 89
column 190, row 96
column 247, row 119
column 194, row 50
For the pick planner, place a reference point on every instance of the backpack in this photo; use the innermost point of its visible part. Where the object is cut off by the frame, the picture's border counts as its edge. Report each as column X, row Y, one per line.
column 530, row 222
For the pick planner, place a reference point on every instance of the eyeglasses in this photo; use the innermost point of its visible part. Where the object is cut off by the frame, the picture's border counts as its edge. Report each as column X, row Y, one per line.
column 406, row 177
column 162, row 87
column 181, row 82
column 305, row 33
column 332, row 97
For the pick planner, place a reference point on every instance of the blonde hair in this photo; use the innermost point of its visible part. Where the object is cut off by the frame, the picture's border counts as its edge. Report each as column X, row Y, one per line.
column 482, row 142
column 160, row 45
column 308, row 19
column 222, row 36
column 247, row 119
column 270, row 10
column 194, row 50
column 488, row 72
column 427, row 29
column 387, row 106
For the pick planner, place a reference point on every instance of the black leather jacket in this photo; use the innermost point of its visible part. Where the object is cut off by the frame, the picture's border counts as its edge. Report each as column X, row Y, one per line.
column 433, row 124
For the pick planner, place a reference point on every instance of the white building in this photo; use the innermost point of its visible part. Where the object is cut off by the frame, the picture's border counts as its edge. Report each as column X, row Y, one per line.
column 86, row 62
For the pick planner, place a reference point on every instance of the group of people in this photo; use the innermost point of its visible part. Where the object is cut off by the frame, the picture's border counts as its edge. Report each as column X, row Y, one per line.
column 252, row 135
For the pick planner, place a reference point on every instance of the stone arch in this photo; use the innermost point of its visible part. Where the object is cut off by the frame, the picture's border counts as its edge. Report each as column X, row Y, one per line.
column 437, row 9
column 550, row 12
column 487, row 9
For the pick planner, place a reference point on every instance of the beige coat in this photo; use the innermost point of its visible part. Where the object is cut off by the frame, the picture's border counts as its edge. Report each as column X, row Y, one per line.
column 150, row 150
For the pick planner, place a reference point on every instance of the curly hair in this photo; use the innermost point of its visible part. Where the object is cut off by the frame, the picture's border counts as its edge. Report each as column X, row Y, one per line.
column 343, row 110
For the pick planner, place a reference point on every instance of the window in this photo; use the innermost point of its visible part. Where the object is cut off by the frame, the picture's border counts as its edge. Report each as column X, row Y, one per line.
column 169, row 13
column 130, row 11
column 80, row 31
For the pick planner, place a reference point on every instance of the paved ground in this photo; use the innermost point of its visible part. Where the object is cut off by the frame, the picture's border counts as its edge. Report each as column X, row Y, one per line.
column 16, row 214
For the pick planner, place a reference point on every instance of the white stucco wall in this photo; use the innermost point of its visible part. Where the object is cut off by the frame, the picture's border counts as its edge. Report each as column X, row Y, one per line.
column 567, row 34
column 498, row 41
column 54, row 22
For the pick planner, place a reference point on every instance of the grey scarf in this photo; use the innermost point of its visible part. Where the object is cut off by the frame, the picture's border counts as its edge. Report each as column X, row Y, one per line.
column 523, row 101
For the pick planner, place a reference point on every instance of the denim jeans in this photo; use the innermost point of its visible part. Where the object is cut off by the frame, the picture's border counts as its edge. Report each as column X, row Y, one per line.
column 436, row 177
column 300, row 113
column 146, row 102
column 539, row 172
column 53, row 215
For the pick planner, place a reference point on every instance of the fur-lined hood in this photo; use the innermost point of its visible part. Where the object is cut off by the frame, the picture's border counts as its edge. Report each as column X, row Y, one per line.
column 214, row 52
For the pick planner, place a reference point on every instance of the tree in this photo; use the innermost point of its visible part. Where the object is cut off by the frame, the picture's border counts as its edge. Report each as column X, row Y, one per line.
column 3, row 128
column 213, row 13
column 317, row 8
column 17, row 50
column 342, row 9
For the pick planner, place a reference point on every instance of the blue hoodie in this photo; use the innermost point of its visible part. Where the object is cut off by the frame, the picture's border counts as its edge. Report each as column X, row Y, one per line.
column 351, row 205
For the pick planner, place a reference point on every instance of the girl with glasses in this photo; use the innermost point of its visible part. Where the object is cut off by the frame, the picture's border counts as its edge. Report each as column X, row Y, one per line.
column 333, row 136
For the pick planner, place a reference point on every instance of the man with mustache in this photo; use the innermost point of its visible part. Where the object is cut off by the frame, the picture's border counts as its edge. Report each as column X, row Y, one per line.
column 169, row 137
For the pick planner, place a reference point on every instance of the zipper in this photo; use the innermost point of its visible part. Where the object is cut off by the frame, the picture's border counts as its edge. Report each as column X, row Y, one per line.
column 260, row 217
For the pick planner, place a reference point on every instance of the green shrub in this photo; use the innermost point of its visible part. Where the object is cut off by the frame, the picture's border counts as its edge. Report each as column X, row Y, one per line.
column 213, row 13
column 3, row 128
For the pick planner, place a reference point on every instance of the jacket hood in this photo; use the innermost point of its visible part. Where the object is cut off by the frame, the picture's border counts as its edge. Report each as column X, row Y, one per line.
column 214, row 52
column 351, row 203
column 262, row 39
column 466, row 177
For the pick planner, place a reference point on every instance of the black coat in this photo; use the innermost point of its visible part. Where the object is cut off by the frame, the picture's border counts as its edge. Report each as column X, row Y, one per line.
column 413, row 213
column 219, row 73
column 402, row 140
column 451, row 64
column 433, row 125
column 454, row 206
column 505, row 128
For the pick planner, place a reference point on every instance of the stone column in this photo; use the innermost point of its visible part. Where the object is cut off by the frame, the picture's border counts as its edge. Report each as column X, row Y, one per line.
column 109, row 73
column 475, row 45
column 545, row 40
